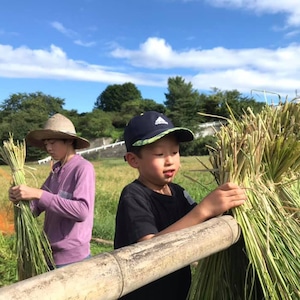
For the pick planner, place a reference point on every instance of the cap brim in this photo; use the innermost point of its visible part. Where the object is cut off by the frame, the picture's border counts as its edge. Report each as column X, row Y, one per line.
column 182, row 134
column 36, row 138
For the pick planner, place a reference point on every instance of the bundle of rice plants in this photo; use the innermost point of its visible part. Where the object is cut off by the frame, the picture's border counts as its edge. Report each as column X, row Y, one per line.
column 32, row 247
column 262, row 154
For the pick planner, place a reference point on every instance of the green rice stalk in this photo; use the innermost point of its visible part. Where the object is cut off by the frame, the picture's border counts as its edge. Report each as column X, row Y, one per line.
column 32, row 246
column 262, row 154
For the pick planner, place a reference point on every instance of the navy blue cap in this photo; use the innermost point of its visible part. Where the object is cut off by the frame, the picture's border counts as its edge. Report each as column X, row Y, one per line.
column 151, row 126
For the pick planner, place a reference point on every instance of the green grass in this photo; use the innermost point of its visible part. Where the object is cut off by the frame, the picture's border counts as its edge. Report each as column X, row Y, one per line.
column 8, row 263
column 111, row 176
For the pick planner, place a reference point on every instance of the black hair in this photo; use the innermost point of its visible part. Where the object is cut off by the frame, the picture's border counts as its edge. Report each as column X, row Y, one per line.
column 136, row 151
column 74, row 142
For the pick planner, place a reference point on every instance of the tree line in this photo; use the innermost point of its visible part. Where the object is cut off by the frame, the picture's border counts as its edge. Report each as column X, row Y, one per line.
column 116, row 105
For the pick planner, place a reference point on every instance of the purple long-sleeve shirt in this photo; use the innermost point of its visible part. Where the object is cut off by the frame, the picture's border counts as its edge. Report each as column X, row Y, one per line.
column 68, row 201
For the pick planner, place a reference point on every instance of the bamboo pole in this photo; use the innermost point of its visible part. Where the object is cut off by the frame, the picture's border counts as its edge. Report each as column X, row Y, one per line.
column 113, row 274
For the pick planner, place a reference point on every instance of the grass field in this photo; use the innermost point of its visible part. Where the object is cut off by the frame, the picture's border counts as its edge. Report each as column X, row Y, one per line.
column 111, row 176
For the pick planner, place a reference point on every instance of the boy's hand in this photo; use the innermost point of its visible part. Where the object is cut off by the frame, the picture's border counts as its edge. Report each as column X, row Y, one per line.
column 24, row 192
column 223, row 198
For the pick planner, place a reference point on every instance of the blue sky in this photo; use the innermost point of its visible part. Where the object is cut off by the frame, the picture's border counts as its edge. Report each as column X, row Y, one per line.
column 75, row 49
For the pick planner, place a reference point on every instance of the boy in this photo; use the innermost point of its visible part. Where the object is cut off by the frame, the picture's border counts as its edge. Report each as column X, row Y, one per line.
column 67, row 196
column 152, row 205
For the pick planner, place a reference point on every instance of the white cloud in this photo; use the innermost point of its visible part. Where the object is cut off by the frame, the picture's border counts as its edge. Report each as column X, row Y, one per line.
column 242, row 69
column 23, row 62
column 3, row 32
column 60, row 27
column 84, row 44
column 246, row 80
column 71, row 34
column 292, row 33
column 289, row 7
column 156, row 53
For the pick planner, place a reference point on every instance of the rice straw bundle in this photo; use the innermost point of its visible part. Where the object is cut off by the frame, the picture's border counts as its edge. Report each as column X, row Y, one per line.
column 32, row 246
column 262, row 154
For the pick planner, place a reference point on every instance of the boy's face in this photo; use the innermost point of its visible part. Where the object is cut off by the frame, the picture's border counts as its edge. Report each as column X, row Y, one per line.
column 159, row 162
column 57, row 148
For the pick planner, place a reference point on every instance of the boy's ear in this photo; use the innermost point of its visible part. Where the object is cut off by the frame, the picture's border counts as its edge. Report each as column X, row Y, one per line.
column 131, row 158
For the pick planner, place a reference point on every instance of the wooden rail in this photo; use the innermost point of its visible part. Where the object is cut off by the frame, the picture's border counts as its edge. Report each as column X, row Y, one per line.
column 113, row 274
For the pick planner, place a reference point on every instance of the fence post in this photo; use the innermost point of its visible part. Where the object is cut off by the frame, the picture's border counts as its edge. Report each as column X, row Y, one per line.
column 113, row 274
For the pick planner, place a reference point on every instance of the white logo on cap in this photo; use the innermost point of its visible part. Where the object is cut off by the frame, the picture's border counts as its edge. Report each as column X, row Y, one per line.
column 160, row 120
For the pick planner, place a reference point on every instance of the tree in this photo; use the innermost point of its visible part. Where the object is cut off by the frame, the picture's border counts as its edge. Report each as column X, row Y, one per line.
column 149, row 104
column 23, row 112
column 24, row 101
column 239, row 104
column 198, row 146
column 218, row 102
column 210, row 104
column 182, row 103
column 112, row 98
column 132, row 108
column 96, row 124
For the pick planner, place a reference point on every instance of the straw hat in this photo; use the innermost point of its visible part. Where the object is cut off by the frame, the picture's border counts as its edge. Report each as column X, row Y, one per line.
column 57, row 127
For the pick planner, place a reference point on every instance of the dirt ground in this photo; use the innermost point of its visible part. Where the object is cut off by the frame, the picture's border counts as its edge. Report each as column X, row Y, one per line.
column 6, row 221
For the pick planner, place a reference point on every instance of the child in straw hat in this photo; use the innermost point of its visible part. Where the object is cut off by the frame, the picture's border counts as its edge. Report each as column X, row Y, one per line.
column 68, row 194
column 152, row 205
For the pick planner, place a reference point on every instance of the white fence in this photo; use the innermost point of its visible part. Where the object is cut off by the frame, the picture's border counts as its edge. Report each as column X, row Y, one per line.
column 209, row 128
column 87, row 151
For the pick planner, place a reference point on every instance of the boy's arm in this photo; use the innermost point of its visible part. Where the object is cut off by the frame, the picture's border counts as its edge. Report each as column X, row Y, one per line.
column 223, row 198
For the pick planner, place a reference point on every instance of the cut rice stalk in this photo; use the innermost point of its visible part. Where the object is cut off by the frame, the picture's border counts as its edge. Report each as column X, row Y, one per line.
column 32, row 246
column 262, row 154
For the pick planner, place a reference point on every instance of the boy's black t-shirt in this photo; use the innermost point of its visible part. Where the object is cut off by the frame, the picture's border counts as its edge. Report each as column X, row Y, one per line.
column 142, row 211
